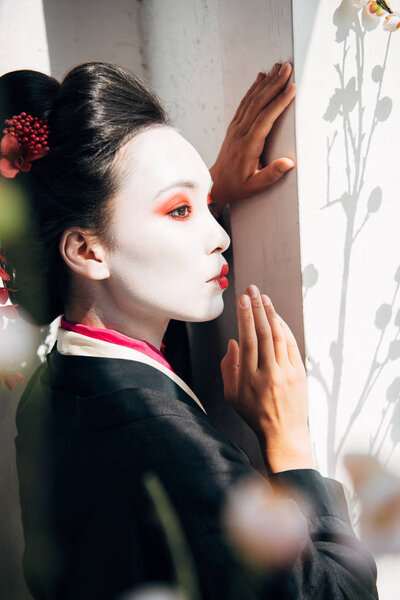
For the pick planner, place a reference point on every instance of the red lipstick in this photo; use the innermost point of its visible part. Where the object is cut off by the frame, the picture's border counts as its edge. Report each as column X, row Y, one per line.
column 224, row 270
column 222, row 279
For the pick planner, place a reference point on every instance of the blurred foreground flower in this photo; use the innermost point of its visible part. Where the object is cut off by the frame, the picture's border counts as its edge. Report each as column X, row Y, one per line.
column 154, row 592
column 379, row 493
column 7, row 354
column 13, row 335
column 266, row 530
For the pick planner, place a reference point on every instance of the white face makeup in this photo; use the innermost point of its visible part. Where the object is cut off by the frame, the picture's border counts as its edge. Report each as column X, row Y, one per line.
column 168, row 243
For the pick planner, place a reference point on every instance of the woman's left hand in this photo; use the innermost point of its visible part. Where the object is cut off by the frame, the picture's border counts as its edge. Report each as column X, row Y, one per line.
column 237, row 173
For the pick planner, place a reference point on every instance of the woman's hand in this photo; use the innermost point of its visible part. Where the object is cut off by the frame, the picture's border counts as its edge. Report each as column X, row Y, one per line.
column 237, row 173
column 265, row 382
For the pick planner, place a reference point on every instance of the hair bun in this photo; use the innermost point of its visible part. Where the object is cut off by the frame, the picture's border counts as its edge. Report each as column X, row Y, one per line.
column 26, row 91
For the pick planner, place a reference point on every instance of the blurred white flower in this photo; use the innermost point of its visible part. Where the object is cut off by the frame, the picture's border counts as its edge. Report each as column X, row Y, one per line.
column 391, row 23
column 268, row 531
column 17, row 341
column 379, row 493
column 152, row 591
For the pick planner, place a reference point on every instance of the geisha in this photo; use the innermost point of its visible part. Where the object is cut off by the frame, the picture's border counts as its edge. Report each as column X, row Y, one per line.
column 127, row 237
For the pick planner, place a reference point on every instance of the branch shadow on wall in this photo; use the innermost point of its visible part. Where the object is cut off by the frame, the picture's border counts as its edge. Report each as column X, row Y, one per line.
column 346, row 112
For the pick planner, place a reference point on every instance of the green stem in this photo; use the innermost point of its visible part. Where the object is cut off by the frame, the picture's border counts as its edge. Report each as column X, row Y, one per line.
column 184, row 566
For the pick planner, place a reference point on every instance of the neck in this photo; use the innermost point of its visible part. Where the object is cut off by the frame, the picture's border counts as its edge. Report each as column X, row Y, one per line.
column 137, row 327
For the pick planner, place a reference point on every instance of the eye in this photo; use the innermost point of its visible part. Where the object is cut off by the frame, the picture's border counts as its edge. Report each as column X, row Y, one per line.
column 180, row 208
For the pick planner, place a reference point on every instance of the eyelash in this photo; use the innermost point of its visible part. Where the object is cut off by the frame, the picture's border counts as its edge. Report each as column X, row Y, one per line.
column 179, row 208
column 212, row 206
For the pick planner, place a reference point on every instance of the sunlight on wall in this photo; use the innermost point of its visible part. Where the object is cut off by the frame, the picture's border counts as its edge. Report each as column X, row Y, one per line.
column 14, row 55
column 349, row 233
column 348, row 150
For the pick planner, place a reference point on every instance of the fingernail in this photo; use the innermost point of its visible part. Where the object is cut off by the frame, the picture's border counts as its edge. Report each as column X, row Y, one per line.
column 265, row 300
column 259, row 77
column 282, row 68
column 244, row 301
column 274, row 69
column 253, row 291
column 288, row 164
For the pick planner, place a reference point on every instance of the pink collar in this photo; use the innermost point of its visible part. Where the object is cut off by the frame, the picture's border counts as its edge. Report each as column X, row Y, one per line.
column 114, row 337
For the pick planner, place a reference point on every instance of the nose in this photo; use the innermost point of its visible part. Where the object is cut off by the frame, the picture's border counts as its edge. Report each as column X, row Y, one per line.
column 218, row 238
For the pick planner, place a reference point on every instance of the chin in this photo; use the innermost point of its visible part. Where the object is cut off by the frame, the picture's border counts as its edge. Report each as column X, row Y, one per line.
column 210, row 311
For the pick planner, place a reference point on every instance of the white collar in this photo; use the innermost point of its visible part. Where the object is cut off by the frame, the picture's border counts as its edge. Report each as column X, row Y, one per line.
column 70, row 342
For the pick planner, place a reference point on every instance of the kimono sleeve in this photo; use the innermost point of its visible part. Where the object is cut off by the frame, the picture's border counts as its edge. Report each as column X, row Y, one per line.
column 198, row 466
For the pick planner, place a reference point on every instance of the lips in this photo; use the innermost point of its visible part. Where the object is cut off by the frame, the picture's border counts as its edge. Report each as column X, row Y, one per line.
column 224, row 270
column 221, row 279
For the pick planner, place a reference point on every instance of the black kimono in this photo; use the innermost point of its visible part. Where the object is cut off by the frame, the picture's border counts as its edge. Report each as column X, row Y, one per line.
column 90, row 428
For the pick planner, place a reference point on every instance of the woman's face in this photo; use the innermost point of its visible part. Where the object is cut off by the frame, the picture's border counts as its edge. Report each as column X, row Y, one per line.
column 168, row 243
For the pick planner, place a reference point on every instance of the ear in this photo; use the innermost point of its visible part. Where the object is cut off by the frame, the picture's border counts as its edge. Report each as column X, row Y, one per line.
column 84, row 254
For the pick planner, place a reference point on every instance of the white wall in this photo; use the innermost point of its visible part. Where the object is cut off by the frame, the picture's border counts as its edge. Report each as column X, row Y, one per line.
column 350, row 236
column 84, row 30
column 23, row 47
column 349, row 232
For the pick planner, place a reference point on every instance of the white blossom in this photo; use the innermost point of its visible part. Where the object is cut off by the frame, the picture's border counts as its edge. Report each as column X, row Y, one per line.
column 391, row 23
column 267, row 530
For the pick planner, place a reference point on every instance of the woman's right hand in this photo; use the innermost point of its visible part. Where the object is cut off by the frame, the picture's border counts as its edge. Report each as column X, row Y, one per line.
column 265, row 382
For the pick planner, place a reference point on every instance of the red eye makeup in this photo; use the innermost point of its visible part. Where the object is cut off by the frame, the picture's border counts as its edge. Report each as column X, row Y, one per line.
column 175, row 201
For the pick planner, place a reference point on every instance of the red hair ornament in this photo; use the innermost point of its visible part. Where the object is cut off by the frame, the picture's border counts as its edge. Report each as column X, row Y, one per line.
column 24, row 140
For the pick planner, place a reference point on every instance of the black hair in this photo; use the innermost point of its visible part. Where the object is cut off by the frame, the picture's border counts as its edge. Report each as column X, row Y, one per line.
column 91, row 114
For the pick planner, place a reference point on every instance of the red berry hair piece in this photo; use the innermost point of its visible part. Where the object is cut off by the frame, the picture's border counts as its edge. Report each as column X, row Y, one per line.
column 24, row 140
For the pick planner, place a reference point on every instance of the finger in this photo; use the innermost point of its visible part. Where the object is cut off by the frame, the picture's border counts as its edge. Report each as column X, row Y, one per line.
column 229, row 369
column 265, row 177
column 278, row 335
column 253, row 86
column 267, row 117
column 254, row 90
column 266, row 94
column 266, row 352
column 248, row 354
column 291, row 345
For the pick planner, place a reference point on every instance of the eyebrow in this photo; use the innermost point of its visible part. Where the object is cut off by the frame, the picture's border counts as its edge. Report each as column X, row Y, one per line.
column 181, row 183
